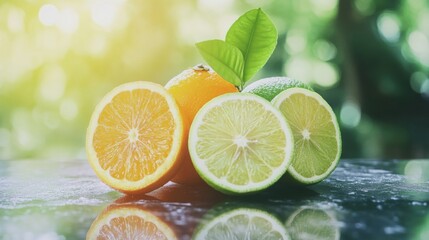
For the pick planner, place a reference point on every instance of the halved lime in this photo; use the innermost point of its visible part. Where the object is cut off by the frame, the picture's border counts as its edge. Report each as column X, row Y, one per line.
column 317, row 135
column 240, row 143
column 270, row 87
column 313, row 223
column 241, row 223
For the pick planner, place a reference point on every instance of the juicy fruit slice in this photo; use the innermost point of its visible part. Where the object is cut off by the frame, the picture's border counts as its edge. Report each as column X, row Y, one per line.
column 192, row 89
column 134, row 137
column 270, row 87
column 240, row 143
column 128, row 222
column 241, row 223
column 316, row 132
column 313, row 223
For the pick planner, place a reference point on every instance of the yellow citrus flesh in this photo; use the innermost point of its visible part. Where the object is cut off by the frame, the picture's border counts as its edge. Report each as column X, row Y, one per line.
column 134, row 137
column 192, row 89
column 129, row 223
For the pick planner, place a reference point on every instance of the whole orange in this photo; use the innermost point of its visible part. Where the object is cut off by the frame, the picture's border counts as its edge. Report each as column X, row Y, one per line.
column 192, row 89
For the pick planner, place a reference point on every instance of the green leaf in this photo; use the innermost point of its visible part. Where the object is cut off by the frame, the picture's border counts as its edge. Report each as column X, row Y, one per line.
column 224, row 58
column 256, row 37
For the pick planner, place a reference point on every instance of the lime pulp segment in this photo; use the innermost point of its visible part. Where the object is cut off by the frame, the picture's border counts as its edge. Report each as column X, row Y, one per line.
column 240, row 143
column 316, row 133
column 313, row 223
column 242, row 223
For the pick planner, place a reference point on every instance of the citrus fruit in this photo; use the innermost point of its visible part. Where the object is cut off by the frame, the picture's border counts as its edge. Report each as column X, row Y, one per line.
column 134, row 137
column 240, row 223
column 312, row 223
column 268, row 88
column 316, row 133
column 240, row 143
column 180, row 206
column 129, row 222
column 192, row 89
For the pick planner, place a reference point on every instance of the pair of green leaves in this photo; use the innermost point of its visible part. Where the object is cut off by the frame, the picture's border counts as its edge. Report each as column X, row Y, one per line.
column 248, row 45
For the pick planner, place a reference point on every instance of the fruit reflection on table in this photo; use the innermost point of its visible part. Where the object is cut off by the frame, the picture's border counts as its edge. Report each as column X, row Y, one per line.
column 177, row 211
column 170, row 212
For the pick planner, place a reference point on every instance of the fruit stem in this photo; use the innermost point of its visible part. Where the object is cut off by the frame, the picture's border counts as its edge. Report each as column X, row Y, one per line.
column 201, row 67
column 240, row 87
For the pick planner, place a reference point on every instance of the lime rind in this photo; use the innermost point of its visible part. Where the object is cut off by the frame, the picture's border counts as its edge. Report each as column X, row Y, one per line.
column 207, row 227
column 278, row 100
column 270, row 87
column 222, row 184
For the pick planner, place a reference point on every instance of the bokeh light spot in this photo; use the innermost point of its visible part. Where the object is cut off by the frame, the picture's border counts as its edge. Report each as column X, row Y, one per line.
column 299, row 68
column 326, row 8
column 419, row 45
column 417, row 80
column 365, row 7
column 68, row 109
column 295, row 42
column 417, row 171
column 310, row 70
column 324, row 74
column 389, row 26
column 350, row 114
column 104, row 13
column 424, row 89
column 324, row 50
column 48, row 14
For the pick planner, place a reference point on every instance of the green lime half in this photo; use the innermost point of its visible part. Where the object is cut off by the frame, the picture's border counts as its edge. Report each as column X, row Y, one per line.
column 270, row 87
column 317, row 135
column 311, row 223
column 240, row 143
column 241, row 223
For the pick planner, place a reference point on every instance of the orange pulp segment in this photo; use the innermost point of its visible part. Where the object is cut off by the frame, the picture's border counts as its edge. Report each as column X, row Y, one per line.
column 134, row 137
column 129, row 223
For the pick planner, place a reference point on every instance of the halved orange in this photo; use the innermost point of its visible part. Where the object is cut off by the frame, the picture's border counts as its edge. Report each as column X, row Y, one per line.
column 129, row 222
column 134, row 137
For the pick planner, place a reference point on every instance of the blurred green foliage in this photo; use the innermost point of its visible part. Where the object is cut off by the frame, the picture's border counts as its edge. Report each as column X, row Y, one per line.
column 369, row 59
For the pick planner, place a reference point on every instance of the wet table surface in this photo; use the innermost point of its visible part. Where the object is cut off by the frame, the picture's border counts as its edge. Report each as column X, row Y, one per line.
column 362, row 199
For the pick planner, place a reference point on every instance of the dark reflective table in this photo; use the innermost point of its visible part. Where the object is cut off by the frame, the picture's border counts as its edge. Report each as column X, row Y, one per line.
column 362, row 199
